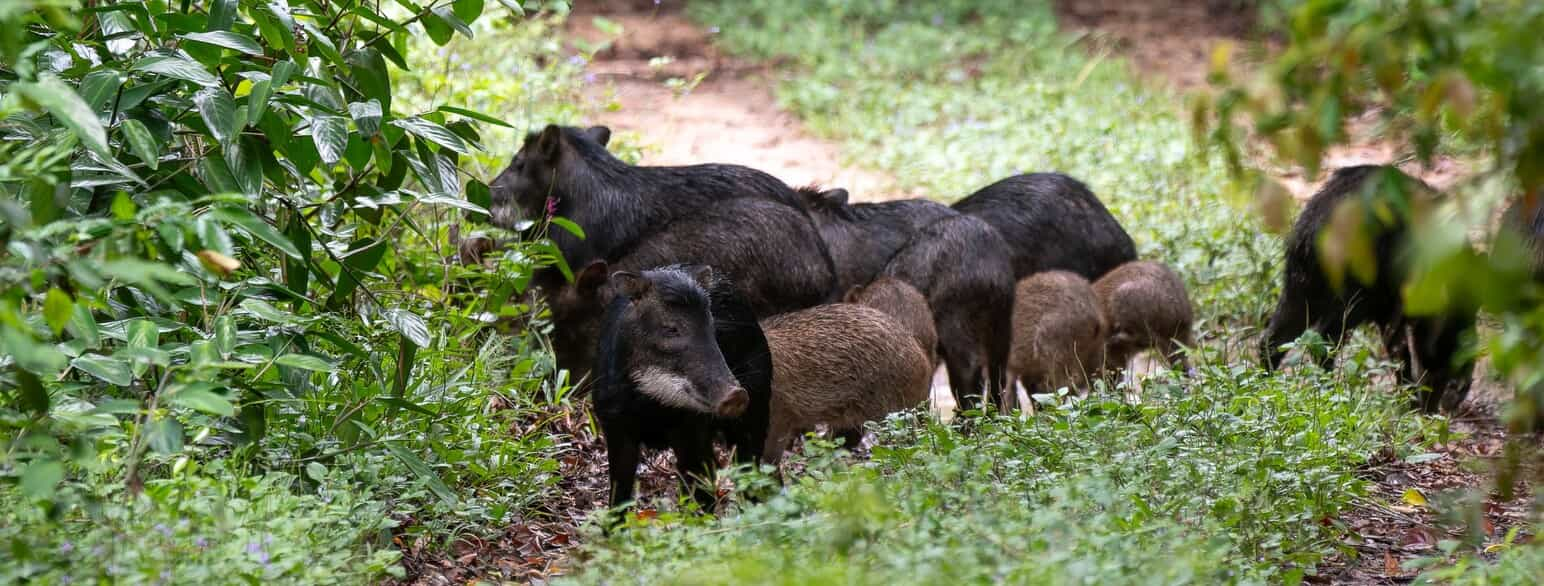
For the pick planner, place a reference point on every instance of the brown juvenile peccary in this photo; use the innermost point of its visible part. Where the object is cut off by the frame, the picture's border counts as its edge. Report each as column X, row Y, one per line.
column 1058, row 332
column 905, row 304
column 1145, row 306
column 840, row 365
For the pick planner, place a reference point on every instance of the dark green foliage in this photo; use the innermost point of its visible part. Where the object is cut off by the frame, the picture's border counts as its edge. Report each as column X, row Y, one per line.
column 223, row 244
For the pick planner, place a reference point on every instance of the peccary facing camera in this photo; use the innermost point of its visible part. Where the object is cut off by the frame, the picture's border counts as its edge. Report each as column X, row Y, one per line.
column 1145, row 306
column 1058, row 332
column 1426, row 345
column 839, row 365
column 1052, row 222
column 663, row 380
column 903, row 303
column 769, row 253
column 567, row 172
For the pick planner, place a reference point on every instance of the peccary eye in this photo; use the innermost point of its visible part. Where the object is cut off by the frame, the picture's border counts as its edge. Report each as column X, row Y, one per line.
column 671, row 332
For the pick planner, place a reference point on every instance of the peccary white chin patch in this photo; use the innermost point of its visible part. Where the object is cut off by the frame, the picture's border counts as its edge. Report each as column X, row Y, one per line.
column 668, row 388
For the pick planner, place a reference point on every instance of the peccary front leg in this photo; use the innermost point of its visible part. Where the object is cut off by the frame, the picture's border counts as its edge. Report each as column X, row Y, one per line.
column 695, row 464
column 622, row 450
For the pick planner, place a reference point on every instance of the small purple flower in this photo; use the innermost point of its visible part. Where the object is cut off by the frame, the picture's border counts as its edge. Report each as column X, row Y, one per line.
column 712, row 30
column 163, row 530
column 577, row 61
column 254, row 547
column 589, row 78
column 938, row 19
column 262, row 558
column 552, row 207
column 66, row 547
column 201, row 542
column 166, row 576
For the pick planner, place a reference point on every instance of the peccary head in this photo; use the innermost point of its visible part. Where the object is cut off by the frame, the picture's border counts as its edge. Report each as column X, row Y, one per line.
column 538, row 176
column 661, row 324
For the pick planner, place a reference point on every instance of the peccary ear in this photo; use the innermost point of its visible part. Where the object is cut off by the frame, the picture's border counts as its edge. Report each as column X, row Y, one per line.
column 549, row 143
column 633, row 285
column 599, row 134
column 835, row 197
column 592, row 276
column 702, row 274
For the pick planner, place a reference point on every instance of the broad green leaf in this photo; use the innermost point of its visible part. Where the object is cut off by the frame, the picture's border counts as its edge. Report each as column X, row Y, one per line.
column 370, row 76
column 57, row 307
column 282, row 71
column 330, row 133
column 142, row 333
column 367, row 117
column 201, row 397
column 141, row 143
column 225, row 335
column 68, row 109
column 410, row 325
column 263, row 310
column 468, row 10
column 362, row 257
column 83, row 326
column 305, row 362
column 432, row 132
column 282, row 23
column 218, row 109
column 438, row 30
column 228, row 40
column 177, row 68
column 110, row 370
column 255, row 226
column 479, row 195
column 455, row 202
column 444, row 13
column 213, row 236
column 99, row 88
column 474, row 115
column 244, row 158
column 424, row 473
column 41, row 478
column 568, row 225
column 316, row 471
column 257, row 101
column 33, row 396
column 165, row 436
column 222, row 13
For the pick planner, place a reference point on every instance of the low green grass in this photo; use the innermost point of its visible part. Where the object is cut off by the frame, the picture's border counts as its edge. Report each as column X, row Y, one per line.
column 1227, row 475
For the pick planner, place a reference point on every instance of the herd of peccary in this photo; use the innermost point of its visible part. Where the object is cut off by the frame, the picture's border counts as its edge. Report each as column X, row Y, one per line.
column 717, row 303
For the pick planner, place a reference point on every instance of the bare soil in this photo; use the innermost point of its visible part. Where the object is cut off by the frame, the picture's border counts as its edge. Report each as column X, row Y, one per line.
column 729, row 115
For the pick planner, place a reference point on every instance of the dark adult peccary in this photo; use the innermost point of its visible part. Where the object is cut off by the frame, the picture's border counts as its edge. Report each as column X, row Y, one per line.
column 1427, row 345
column 958, row 262
column 864, row 237
column 567, row 172
column 1052, row 222
column 663, row 381
column 770, row 253
column 1058, row 332
column 839, row 365
column 903, row 303
column 1145, row 307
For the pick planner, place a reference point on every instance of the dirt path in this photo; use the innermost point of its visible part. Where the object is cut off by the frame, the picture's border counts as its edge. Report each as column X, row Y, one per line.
column 664, row 80
column 1170, row 43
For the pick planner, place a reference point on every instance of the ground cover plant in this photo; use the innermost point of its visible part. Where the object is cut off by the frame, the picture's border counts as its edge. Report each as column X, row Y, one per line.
column 236, row 345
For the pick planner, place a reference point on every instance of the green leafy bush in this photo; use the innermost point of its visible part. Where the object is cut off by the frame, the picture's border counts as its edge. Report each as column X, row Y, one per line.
column 228, row 273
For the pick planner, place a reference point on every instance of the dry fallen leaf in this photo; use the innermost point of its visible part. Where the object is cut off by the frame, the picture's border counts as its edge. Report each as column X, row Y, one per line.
column 1390, row 565
column 217, row 263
